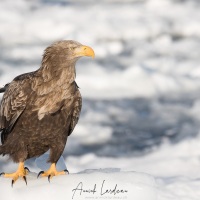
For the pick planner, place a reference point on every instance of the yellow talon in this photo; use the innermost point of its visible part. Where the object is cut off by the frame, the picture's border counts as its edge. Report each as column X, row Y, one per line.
column 21, row 172
column 52, row 172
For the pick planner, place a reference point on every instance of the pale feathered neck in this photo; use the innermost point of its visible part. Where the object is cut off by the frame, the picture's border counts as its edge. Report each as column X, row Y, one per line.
column 58, row 68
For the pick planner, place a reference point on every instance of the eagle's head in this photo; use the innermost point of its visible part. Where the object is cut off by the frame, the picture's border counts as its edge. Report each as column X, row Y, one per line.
column 66, row 51
column 59, row 59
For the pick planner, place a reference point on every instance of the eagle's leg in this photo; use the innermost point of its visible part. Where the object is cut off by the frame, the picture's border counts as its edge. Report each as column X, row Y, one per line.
column 21, row 172
column 52, row 172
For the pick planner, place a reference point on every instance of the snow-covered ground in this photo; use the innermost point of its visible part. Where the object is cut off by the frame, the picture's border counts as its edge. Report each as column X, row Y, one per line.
column 90, row 184
column 141, row 93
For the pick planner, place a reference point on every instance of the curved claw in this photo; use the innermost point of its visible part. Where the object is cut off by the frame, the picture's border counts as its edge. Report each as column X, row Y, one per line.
column 67, row 172
column 41, row 172
column 24, row 177
column 49, row 177
column 12, row 183
column 26, row 168
column 2, row 173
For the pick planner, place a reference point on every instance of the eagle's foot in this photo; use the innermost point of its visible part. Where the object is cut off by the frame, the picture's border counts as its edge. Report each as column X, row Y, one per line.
column 21, row 172
column 52, row 172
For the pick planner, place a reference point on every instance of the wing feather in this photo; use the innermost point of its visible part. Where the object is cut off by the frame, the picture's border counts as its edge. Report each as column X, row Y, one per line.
column 76, row 111
column 12, row 106
column 3, row 89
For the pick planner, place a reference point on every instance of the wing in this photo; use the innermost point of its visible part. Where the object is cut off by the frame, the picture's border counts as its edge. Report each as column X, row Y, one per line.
column 76, row 111
column 3, row 89
column 12, row 106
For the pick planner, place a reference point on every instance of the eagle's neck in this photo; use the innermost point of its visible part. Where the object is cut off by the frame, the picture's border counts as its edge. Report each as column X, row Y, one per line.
column 54, row 77
column 61, row 72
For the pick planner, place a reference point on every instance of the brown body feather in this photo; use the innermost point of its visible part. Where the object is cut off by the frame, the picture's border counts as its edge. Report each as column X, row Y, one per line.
column 39, row 110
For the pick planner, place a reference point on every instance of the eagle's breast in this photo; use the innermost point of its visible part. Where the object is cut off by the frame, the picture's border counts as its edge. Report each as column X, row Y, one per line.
column 52, row 95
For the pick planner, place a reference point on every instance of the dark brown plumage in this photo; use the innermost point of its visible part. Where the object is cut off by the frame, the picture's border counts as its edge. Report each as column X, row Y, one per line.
column 40, row 109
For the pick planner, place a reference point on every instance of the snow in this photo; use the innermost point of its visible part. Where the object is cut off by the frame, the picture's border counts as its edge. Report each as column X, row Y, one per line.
column 130, row 184
column 140, row 94
column 175, row 168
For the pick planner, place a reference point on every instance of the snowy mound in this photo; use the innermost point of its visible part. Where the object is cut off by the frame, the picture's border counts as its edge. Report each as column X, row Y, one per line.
column 89, row 184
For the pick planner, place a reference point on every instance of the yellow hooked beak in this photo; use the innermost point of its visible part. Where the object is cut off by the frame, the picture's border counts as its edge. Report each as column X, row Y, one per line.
column 84, row 51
